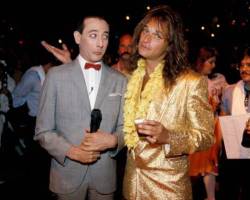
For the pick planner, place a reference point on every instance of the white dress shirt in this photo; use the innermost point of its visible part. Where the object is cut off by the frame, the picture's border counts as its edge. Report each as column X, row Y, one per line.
column 92, row 79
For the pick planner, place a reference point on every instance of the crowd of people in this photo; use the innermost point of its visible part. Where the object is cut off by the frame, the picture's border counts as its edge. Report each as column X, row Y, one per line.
column 159, row 132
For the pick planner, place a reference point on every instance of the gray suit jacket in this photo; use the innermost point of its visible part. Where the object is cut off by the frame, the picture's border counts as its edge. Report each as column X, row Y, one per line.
column 64, row 114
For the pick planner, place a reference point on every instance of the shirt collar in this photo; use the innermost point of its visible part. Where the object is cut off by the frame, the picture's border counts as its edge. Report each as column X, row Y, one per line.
column 82, row 61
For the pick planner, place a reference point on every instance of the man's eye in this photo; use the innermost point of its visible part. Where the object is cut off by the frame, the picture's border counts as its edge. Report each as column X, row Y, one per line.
column 105, row 37
column 145, row 30
column 92, row 35
column 158, row 36
column 245, row 65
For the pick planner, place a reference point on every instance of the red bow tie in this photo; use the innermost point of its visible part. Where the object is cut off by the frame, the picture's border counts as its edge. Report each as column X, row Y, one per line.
column 91, row 65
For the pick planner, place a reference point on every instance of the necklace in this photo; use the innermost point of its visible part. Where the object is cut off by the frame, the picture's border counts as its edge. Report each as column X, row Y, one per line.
column 137, row 101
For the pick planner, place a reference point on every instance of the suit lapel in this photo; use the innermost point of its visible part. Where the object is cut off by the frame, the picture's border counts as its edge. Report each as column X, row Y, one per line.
column 79, row 81
column 105, row 83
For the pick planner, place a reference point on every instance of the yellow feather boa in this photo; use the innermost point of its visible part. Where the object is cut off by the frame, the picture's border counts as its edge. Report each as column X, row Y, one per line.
column 137, row 102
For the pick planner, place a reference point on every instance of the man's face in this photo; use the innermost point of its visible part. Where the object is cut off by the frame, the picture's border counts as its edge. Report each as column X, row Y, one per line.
column 93, row 41
column 152, row 43
column 245, row 69
column 125, row 46
column 208, row 66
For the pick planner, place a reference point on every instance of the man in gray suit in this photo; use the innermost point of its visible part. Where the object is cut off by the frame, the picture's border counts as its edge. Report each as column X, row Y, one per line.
column 83, row 164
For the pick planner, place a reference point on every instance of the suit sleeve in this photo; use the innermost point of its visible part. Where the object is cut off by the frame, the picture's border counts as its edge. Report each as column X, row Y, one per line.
column 119, row 127
column 45, row 132
column 198, row 132
column 24, row 87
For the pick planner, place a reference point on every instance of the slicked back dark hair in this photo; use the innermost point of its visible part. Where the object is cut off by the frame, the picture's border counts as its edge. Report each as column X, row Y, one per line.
column 246, row 52
column 80, row 24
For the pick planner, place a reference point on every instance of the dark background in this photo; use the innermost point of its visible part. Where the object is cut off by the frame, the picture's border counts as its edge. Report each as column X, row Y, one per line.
column 24, row 24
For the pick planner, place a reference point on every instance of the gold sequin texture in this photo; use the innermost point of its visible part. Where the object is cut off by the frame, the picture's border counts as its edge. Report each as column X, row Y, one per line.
column 153, row 174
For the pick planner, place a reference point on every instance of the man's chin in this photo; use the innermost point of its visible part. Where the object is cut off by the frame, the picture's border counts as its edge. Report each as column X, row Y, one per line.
column 97, row 58
column 246, row 79
column 125, row 56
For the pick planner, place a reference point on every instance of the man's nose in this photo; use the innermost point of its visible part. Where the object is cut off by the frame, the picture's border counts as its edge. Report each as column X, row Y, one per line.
column 100, row 43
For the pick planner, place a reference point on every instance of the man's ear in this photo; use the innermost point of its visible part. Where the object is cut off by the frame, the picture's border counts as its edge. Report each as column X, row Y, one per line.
column 77, row 37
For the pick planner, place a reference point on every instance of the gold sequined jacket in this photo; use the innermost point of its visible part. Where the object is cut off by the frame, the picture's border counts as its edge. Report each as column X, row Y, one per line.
column 160, row 172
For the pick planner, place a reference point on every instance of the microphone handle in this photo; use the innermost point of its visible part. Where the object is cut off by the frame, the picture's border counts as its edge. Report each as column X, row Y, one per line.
column 93, row 127
column 96, row 118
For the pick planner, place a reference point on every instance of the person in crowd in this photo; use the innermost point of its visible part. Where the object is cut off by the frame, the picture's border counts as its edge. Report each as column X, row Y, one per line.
column 124, row 52
column 22, row 116
column 7, row 85
column 166, row 114
column 83, row 164
column 234, row 173
column 205, row 163
column 123, row 65
column 27, row 91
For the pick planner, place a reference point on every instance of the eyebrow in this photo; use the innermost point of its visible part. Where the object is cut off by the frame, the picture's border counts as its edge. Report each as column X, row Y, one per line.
column 92, row 30
column 160, row 32
column 95, row 30
column 156, row 31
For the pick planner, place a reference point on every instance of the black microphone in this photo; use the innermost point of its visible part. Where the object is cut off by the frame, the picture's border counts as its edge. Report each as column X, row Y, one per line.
column 245, row 142
column 246, row 137
column 96, row 118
